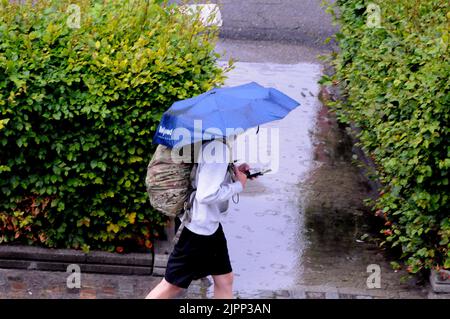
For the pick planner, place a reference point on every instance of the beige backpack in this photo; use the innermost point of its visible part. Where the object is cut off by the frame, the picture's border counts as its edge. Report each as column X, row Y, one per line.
column 168, row 182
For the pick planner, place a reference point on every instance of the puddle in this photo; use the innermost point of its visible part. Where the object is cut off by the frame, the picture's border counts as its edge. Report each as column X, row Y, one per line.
column 339, row 229
column 263, row 230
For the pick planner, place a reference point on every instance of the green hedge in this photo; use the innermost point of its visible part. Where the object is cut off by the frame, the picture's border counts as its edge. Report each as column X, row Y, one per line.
column 395, row 78
column 79, row 107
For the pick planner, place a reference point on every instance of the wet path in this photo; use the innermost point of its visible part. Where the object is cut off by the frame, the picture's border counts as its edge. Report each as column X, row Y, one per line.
column 264, row 230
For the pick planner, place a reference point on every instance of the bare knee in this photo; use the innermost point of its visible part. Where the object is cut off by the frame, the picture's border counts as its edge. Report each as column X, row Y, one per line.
column 224, row 281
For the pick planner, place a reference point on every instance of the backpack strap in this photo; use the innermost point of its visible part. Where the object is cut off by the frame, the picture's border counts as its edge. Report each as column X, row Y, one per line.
column 184, row 219
column 186, row 214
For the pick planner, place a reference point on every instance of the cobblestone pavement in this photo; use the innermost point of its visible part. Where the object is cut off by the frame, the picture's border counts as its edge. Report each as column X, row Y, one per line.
column 16, row 283
column 24, row 284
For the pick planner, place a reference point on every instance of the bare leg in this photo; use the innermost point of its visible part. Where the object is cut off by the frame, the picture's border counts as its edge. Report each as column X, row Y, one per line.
column 223, row 286
column 164, row 290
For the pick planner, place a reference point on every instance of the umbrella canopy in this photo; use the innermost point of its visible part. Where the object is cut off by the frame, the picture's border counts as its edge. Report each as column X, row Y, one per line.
column 221, row 112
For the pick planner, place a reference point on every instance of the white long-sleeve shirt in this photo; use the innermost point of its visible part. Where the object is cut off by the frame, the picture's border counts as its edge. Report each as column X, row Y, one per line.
column 214, row 187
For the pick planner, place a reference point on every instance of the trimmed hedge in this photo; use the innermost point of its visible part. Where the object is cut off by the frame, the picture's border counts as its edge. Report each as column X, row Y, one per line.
column 395, row 79
column 79, row 107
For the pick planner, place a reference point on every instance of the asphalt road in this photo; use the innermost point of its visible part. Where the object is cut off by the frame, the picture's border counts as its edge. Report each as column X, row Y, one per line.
column 295, row 21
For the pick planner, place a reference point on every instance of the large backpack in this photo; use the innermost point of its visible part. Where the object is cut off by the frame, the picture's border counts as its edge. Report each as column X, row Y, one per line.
column 168, row 182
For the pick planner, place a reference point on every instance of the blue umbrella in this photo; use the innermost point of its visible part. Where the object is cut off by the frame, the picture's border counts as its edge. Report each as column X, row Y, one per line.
column 221, row 111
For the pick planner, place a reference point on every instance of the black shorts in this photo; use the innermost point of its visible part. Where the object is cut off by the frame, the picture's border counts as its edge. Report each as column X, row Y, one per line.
column 197, row 256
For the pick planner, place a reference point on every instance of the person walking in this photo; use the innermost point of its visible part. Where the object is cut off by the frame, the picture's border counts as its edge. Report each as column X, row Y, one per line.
column 202, row 247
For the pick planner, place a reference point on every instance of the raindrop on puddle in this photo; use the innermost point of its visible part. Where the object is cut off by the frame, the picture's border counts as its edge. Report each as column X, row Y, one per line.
column 278, row 266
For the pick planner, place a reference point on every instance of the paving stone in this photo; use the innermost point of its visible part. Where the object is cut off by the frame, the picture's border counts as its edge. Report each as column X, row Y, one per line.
column 298, row 294
column 14, row 278
column 265, row 294
column 432, row 295
column 88, row 294
column 73, row 291
column 108, row 290
column 315, row 295
column 126, row 288
column 17, row 285
column 3, row 280
column 331, row 295
column 282, row 294
column 409, row 295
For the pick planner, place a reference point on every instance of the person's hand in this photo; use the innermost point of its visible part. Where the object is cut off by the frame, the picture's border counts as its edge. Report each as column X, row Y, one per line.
column 240, row 175
column 244, row 167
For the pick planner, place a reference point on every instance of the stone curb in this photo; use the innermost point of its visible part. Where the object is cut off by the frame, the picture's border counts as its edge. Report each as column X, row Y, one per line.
column 286, row 35
column 37, row 258
column 49, row 259
column 159, row 266
column 162, row 249
column 84, row 268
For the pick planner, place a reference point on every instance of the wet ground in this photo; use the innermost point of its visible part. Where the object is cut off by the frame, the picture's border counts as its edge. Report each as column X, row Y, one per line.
column 341, row 232
column 301, row 232
column 265, row 239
